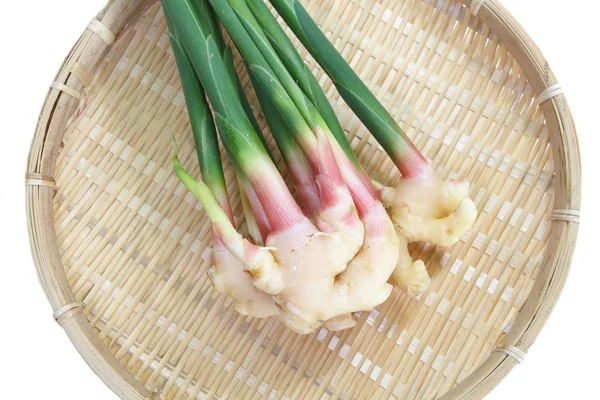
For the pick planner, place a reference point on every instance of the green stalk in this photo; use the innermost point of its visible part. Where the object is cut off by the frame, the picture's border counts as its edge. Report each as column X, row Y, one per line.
column 299, row 167
column 204, row 10
column 285, row 142
column 240, row 140
column 303, row 76
column 205, row 135
column 205, row 194
column 258, row 52
column 218, row 217
column 203, row 128
column 254, row 46
column 281, row 105
column 371, row 112
column 228, row 60
column 295, row 109
column 207, row 146
column 203, row 52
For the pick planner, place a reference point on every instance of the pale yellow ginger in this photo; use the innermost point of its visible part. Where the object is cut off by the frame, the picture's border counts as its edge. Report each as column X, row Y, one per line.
column 362, row 285
column 410, row 276
column 431, row 210
column 426, row 209
column 309, row 261
column 340, row 323
column 362, row 282
column 228, row 276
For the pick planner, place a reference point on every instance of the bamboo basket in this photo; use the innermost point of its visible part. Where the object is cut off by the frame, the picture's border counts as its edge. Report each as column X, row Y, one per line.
column 121, row 247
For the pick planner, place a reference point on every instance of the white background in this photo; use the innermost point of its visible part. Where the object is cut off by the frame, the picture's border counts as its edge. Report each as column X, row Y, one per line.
column 39, row 361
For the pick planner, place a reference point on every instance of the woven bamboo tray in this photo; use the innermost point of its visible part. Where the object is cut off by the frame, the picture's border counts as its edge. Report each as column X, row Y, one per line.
column 121, row 247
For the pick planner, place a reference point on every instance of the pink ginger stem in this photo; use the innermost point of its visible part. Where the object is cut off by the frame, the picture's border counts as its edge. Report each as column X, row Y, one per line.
column 259, row 213
column 279, row 206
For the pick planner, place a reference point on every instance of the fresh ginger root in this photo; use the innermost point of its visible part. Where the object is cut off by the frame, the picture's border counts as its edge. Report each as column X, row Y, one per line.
column 426, row 209
column 431, row 210
column 410, row 276
column 228, row 276
column 227, row 273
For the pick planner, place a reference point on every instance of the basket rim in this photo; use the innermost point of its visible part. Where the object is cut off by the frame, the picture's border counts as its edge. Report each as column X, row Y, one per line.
column 61, row 104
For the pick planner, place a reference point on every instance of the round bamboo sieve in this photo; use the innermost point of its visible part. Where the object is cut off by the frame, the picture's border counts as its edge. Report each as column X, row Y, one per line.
column 121, row 248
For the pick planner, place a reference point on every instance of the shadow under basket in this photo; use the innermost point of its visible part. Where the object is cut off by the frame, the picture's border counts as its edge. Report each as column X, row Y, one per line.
column 122, row 249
